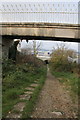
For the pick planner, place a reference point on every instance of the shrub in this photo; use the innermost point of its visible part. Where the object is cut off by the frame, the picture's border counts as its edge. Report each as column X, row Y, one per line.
column 59, row 60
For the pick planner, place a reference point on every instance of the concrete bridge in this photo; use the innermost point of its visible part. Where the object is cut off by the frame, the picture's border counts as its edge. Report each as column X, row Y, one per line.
column 38, row 31
column 39, row 21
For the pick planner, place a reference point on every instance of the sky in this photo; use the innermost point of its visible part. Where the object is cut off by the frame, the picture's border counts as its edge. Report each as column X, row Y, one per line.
column 49, row 45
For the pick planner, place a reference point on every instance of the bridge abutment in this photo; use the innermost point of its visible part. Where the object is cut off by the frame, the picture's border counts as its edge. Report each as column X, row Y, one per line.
column 6, row 43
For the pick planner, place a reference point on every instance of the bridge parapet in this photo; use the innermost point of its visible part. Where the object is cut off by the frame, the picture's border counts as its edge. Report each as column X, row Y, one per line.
column 51, row 12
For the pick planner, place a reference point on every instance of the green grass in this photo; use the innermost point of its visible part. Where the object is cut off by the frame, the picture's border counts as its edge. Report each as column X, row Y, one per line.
column 71, row 81
column 15, row 79
column 31, row 104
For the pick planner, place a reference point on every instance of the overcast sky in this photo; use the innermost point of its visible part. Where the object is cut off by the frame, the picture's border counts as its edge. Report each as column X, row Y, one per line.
column 48, row 45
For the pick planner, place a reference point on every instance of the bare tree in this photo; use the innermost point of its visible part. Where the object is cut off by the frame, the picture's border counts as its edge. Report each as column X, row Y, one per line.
column 36, row 47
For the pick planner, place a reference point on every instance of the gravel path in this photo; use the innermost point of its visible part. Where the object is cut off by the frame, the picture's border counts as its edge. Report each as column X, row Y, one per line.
column 54, row 101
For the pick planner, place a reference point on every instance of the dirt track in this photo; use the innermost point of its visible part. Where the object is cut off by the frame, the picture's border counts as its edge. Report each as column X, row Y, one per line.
column 54, row 101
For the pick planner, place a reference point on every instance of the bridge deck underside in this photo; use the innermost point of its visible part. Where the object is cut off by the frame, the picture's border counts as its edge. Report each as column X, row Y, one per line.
column 41, row 38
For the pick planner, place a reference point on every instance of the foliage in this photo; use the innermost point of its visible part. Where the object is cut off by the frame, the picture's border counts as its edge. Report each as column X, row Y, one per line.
column 67, row 72
column 70, row 80
column 15, row 78
column 59, row 59
column 30, row 59
column 31, row 104
column 7, row 67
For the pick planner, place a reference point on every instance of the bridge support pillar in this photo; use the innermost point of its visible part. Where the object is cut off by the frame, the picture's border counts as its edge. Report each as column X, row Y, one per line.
column 6, row 43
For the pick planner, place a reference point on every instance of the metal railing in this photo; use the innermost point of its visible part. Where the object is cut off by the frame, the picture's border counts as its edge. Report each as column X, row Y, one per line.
column 40, row 12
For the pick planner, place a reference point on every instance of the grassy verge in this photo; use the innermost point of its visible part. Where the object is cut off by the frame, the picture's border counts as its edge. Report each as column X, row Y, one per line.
column 15, row 78
column 31, row 104
column 70, row 80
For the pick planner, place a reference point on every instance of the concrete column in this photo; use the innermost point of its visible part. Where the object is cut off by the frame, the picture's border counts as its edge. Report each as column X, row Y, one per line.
column 0, row 47
column 6, row 43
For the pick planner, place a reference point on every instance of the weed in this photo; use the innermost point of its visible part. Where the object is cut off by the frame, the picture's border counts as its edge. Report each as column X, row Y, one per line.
column 16, row 78
column 70, row 80
column 31, row 103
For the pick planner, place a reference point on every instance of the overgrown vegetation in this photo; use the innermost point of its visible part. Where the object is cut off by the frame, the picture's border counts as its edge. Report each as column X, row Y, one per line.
column 18, row 76
column 70, row 80
column 31, row 104
column 59, row 59
column 67, row 72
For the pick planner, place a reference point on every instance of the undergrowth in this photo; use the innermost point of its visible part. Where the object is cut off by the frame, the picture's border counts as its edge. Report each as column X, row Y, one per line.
column 15, row 78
